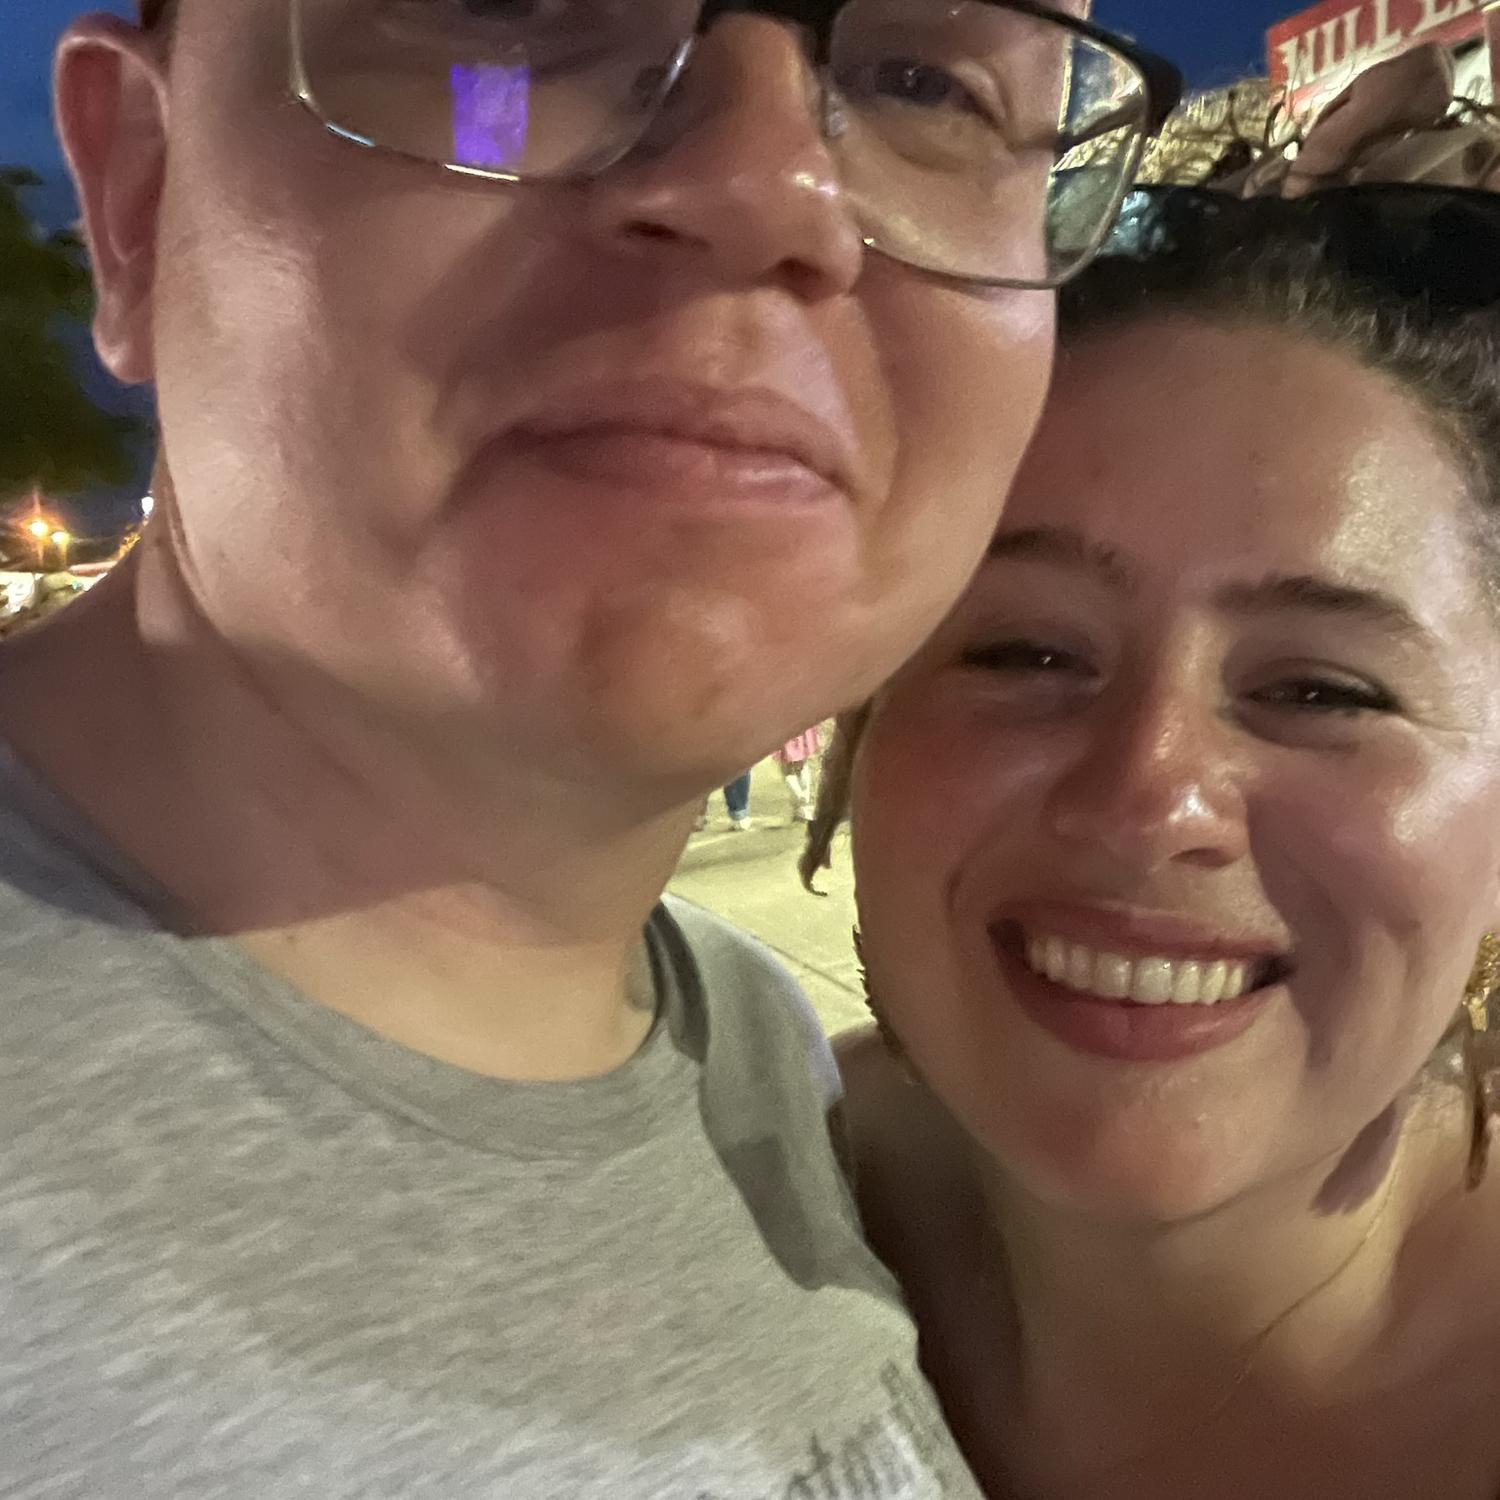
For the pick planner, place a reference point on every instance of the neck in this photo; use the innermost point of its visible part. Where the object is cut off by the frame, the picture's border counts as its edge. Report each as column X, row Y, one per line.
column 1136, row 1336
column 485, row 912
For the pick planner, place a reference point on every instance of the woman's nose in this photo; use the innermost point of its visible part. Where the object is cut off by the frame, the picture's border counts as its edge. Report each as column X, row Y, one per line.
column 736, row 179
column 1156, row 784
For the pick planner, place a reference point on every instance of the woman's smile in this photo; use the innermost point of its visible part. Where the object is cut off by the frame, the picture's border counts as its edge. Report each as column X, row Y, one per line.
column 1127, row 1001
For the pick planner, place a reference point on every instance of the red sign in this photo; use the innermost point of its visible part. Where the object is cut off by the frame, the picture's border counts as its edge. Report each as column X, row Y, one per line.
column 1329, row 43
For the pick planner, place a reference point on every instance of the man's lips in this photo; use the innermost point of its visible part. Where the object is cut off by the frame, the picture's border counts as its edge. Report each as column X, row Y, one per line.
column 750, row 427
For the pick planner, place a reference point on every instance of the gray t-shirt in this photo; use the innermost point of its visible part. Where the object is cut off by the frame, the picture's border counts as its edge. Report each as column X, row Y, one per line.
column 250, row 1249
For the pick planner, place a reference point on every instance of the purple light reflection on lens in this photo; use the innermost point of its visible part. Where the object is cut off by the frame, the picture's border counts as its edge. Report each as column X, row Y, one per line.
column 491, row 114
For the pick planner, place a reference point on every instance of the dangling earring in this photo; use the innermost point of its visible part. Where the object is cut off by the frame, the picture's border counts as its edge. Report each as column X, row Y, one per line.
column 1482, row 985
column 888, row 1038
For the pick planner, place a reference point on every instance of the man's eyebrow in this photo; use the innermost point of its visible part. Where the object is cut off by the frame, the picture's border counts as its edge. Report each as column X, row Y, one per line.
column 1067, row 548
column 1305, row 591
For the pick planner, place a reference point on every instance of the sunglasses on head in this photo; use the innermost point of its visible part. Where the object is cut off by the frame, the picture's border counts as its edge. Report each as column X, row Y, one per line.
column 1439, row 245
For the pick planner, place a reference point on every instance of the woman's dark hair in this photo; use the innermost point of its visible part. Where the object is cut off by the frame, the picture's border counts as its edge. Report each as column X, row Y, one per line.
column 1266, row 263
column 158, row 15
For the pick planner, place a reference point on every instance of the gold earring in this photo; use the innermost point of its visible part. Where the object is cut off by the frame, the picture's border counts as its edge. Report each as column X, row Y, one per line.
column 888, row 1038
column 1484, row 981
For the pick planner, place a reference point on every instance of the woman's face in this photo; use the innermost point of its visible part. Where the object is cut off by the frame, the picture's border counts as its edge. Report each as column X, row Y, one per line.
column 1216, row 718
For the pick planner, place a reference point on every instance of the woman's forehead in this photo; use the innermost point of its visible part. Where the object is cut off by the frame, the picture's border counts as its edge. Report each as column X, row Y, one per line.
column 1193, row 436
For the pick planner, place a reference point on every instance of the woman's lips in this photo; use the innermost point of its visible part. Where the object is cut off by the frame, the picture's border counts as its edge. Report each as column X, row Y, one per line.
column 1123, row 1029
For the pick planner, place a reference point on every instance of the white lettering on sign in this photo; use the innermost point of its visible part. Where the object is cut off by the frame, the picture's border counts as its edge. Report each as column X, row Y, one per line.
column 1437, row 13
column 1334, row 38
column 1384, row 36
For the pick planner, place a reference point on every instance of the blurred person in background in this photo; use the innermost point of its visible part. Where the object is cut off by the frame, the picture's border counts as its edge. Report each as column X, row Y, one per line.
column 796, row 759
column 737, row 801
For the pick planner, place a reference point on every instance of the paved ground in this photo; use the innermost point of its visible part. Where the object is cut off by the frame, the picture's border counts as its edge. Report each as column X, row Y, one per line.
column 751, row 878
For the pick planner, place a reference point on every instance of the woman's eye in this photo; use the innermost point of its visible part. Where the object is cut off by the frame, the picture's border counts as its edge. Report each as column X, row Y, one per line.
column 1021, row 657
column 1325, row 695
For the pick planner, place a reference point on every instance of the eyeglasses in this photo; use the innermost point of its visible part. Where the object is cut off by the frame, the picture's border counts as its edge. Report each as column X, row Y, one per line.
column 987, row 141
column 1417, row 241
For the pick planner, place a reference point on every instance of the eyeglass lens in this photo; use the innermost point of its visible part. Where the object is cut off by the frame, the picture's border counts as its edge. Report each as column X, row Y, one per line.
column 972, row 139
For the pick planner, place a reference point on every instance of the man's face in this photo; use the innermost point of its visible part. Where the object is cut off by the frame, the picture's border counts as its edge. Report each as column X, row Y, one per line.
column 640, row 476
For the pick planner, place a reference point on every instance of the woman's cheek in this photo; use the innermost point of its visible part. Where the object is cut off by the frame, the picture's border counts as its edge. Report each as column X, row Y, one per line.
column 1383, row 862
column 910, row 809
column 939, row 785
column 1395, row 818
column 891, row 789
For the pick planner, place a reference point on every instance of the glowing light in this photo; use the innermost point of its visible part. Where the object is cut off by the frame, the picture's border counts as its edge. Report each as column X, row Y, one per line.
column 148, row 505
column 491, row 114
column 39, row 528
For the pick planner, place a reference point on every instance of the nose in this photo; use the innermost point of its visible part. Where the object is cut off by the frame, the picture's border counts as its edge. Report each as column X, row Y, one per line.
column 1156, row 785
column 736, row 180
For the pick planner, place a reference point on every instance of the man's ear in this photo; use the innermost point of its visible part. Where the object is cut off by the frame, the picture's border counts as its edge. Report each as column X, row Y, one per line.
column 110, row 97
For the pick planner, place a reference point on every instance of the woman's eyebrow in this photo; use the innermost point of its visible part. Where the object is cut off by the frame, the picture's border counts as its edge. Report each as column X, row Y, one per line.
column 1066, row 547
column 1308, row 592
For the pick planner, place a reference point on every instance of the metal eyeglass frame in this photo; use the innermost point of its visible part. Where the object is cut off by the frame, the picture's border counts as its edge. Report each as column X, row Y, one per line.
column 1164, row 82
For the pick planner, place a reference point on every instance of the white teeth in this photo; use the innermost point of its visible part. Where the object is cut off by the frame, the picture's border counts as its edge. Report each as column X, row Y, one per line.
column 1112, row 976
column 1152, row 984
column 1080, row 968
column 1146, row 981
column 1056, row 958
column 1187, row 983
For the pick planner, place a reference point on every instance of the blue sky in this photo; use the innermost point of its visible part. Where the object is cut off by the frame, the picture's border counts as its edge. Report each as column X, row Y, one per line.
column 1213, row 39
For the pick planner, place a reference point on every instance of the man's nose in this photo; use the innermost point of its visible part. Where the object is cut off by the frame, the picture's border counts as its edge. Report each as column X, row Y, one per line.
column 1158, row 784
column 736, row 179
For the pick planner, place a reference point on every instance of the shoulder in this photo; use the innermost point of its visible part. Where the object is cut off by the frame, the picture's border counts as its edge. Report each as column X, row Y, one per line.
column 755, row 1010
column 911, row 1163
column 896, row 1123
column 876, row 1101
column 732, row 964
column 53, row 868
column 720, row 943
column 49, row 892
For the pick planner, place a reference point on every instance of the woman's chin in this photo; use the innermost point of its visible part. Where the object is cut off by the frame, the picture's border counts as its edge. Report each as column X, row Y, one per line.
column 1143, row 1179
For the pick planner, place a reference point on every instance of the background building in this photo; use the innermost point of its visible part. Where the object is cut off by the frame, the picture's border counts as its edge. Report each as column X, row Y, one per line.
column 1314, row 54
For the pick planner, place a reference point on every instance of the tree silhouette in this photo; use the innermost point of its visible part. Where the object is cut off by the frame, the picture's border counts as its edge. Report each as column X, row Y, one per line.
column 52, row 437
